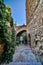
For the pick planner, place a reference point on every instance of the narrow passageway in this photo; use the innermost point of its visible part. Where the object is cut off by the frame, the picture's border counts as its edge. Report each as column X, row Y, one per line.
column 23, row 54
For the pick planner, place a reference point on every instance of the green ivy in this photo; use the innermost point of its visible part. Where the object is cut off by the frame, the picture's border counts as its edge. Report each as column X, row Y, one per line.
column 9, row 41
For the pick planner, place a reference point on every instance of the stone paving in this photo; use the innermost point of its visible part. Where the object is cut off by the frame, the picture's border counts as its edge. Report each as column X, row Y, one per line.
column 24, row 56
column 26, row 63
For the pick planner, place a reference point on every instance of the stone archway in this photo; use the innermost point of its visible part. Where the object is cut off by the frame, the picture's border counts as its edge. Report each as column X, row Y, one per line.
column 20, row 32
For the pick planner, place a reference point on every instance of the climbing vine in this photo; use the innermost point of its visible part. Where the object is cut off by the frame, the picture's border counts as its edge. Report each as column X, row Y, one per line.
column 7, row 36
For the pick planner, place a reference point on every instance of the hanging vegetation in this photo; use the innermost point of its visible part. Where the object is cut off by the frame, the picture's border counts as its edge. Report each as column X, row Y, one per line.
column 7, row 36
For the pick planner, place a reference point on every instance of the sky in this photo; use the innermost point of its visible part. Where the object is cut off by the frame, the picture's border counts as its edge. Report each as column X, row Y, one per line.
column 18, row 10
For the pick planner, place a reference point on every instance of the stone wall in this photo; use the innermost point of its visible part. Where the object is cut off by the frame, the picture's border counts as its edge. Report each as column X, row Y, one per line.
column 31, row 6
column 35, row 25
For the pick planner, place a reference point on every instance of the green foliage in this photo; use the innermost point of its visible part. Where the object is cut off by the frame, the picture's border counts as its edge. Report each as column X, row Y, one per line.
column 17, row 40
column 24, row 37
column 5, row 36
column 1, row 1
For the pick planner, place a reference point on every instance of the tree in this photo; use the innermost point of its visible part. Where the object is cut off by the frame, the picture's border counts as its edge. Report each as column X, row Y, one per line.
column 24, row 34
column 17, row 40
column 6, row 38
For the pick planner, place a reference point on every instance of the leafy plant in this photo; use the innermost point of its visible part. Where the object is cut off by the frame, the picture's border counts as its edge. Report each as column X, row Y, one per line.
column 7, row 38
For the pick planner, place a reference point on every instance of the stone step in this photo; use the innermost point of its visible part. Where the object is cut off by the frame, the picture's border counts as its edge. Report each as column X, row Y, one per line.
column 25, row 63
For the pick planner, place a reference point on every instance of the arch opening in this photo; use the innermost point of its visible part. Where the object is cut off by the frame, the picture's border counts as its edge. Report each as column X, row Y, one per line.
column 22, row 34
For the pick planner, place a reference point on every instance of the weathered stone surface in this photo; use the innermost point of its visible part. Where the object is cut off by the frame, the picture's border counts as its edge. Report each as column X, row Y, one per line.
column 26, row 63
column 34, row 19
column 24, row 56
